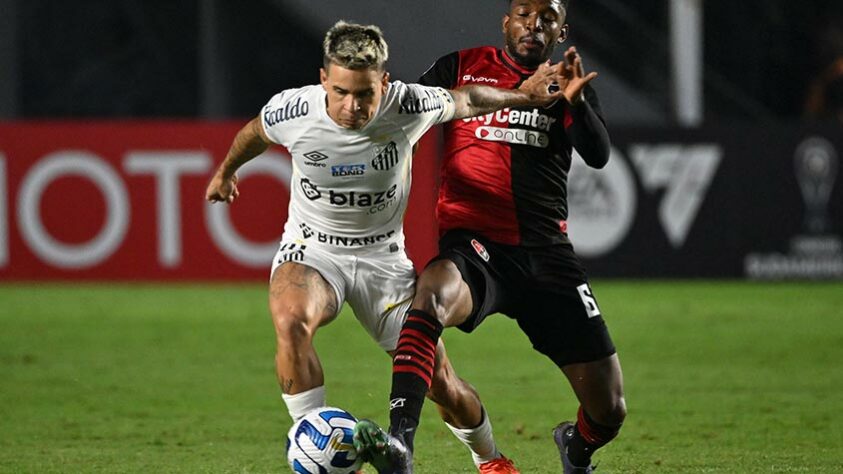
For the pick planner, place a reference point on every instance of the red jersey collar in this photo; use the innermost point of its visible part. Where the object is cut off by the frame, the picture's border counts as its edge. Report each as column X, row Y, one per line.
column 510, row 63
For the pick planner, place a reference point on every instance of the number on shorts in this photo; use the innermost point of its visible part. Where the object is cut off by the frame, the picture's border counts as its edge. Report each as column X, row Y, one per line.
column 588, row 300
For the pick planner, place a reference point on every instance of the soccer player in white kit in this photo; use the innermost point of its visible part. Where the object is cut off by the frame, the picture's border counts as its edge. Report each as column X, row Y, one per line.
column 351, row 140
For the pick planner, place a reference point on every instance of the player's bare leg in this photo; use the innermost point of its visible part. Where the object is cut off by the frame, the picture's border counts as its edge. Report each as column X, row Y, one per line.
column 599, row 388
column 300, row 300
column 441, row 292
column 457, row 401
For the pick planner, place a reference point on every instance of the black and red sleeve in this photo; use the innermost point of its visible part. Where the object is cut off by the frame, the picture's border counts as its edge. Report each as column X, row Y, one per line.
column 443, row 73
column 587, row 130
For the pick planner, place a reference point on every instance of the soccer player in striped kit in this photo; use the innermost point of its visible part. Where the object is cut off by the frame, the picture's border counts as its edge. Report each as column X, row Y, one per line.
column 502, row 214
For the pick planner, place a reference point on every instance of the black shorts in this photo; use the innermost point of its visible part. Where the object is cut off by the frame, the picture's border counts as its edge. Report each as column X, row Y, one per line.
column 544, row 289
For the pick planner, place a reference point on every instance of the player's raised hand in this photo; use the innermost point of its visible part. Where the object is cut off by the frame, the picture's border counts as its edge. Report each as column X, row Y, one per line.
column 222, row 189
column 575, row 77
column 543, row 85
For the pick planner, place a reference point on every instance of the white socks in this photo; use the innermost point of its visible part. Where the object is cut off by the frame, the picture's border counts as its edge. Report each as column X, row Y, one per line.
column 479, row 440
column 303, row 403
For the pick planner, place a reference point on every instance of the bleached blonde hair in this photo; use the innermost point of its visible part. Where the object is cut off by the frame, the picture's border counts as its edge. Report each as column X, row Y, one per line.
column 354, row 46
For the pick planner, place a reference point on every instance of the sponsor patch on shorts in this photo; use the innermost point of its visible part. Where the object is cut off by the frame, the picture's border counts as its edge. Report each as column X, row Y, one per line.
column 480, row 249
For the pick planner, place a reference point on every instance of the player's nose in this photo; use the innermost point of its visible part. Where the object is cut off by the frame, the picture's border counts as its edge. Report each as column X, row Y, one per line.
column 535, row 23
column 351, row 104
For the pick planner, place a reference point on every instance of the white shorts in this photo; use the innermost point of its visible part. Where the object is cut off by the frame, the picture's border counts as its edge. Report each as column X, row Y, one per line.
column 378, row 285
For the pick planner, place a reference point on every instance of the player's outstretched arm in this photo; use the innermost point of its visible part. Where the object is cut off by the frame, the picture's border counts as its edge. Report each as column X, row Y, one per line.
column 249, row 142
column 478, row 100
column 587, row 131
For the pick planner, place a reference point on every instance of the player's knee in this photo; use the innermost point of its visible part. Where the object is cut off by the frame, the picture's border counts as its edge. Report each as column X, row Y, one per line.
column 291, row 327
column 431, row 303
column 437, row 290
column 613, row 414
column 619, row 412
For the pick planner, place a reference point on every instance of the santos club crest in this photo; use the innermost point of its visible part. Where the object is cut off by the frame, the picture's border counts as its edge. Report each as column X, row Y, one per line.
column 385, row 156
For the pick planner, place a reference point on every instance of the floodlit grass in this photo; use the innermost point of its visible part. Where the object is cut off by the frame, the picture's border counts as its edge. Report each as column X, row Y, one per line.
column 728, row 377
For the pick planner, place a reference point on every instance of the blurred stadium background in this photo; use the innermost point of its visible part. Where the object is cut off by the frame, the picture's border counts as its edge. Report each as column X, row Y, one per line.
column 727, row 125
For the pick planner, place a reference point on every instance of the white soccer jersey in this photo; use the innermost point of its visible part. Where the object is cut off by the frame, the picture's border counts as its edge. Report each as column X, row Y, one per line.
column 350, row 188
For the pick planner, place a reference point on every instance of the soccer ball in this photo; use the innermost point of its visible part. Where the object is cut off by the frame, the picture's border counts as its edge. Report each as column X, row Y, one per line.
column 321, row 443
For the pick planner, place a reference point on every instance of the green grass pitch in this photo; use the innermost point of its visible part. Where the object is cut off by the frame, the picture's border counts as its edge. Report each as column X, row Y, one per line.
column 728, row 377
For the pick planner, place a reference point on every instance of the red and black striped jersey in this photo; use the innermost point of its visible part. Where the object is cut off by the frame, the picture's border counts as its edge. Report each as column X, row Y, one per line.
column 504, row 175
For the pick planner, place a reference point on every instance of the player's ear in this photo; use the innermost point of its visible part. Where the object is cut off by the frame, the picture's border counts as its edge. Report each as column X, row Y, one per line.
column 385, row 80
column 323, row 76
column 504, row 23
column 563, row 35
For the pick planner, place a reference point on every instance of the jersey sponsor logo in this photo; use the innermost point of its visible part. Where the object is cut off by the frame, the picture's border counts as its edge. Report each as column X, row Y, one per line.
column 412, row 104
column 306, row 231
column 480, row 249
column 292, row 252
column 288, row 111
column 376, row 201
column 481, row 79
column 533, row 118
column 348, row 170
column 311, row 191
column 314, row 158
column 385, row 157
column 513, row 135
column 345, row 241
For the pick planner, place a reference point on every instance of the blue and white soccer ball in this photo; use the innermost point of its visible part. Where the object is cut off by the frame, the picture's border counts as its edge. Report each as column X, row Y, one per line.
column 321, row 443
